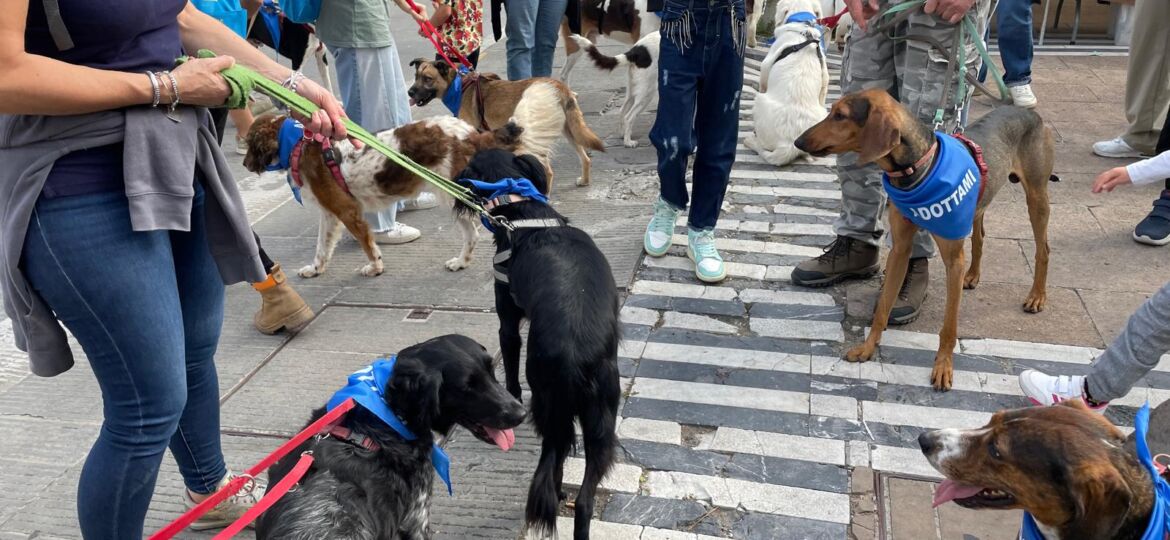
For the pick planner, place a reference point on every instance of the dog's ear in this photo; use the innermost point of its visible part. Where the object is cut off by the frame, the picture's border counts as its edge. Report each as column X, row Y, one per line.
column 879, row 130
column 417, row 62
column 1102, row 498
column 414, row 391
column 533, row 170
column 443, row 69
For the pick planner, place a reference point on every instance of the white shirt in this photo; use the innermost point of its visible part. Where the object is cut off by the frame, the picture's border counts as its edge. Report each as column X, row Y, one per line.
column 1148, row 171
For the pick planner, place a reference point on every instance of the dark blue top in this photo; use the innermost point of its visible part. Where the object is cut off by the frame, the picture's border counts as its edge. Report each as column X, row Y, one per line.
column 122, row 35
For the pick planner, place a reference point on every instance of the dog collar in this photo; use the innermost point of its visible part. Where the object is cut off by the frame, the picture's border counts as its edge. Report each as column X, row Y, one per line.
column 288, row 145
column 367, row 387
column 803, row 17
column 501, row 192
column 918, row 165
column 944, row 200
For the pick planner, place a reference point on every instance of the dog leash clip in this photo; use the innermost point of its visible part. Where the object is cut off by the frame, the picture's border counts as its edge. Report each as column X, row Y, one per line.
column 502, row 222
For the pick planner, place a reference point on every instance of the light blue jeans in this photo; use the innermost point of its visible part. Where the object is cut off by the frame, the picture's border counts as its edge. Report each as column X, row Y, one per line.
column 373, row 90
column 533, row 28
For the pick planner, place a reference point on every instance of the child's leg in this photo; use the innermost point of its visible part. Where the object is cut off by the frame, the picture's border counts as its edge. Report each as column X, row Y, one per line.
column 1143, row 341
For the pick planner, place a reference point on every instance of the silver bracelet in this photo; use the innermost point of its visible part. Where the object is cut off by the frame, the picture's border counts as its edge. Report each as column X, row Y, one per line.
column 292, row 81
column 156, row 92
column 174, row 90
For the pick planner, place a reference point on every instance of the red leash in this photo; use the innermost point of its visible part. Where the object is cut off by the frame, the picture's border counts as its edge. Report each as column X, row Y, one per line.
column 320, row 426
column 432, row 34
column 831, row 21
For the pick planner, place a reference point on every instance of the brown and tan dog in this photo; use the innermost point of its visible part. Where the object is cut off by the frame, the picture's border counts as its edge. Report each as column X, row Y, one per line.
column 1064, row 464
column 374, row 182
column 545, row 108
column 1017, row 147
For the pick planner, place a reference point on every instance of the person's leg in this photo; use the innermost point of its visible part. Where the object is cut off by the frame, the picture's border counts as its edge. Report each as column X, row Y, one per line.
column 345, row 62
column 474, row 59
column 679, row 69
column 1154, row 229
column 242, row 118
column 520, row 27
column 1147, row 85
column 548, row 30
column 107, row 284
column 1014, row 19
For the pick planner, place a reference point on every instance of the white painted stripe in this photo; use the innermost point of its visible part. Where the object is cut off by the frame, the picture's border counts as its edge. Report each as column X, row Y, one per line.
column 687, row 290
column 795, row 192
column 742, row 155
column 802, row 210
column 910, row 340
column 833, row 406
column 734, row 269
column 728, row 358
column 721, row 394
column 642, row 429
column 1035, row 351
column 816, row 229
column 900, row 414
column 756, row 246
column 774, row 190
column 637, row 315
column 798, row 329
column 778, row 174
column 701, row 323
column 902, row 461
column 786, row 297
column 622, row 477
column 751, row 496
column 631, row 349
column 779, row 273
column 621, row 531
column 780, row 445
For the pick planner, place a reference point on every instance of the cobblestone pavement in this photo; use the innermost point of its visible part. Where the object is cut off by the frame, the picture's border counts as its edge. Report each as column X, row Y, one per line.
column 741, row 420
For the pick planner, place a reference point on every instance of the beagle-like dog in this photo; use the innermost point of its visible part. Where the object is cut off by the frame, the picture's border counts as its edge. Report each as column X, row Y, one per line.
column 1015, row 146
column 1065, row 465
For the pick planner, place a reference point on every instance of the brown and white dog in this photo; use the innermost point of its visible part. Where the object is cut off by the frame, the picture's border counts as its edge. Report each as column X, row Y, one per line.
column 441, row 144
column 545, row 108
column 626, row 21
column 1064, row 464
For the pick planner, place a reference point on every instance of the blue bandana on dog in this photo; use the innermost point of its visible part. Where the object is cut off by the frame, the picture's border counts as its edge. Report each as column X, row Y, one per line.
column 291, row 133
column 453, row 98
column 507, row 186
column 944, row 202
column 1159, row 526
column 367, row 387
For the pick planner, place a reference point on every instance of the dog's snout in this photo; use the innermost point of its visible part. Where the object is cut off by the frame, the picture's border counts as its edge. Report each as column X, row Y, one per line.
column 928, row 442
column 801, row 143
column 411, row 91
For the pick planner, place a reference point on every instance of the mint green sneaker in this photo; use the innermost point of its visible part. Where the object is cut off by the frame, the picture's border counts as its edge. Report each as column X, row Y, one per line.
column 708, row 263
column 661, row 229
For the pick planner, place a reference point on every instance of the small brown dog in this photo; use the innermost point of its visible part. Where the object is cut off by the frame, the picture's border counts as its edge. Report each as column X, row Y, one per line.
column 545, row 108
column 1065, row 465
column 1016, row 146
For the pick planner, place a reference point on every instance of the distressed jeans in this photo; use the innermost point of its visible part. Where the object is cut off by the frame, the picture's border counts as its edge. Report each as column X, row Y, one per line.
column 700, row 78
column 533, row 27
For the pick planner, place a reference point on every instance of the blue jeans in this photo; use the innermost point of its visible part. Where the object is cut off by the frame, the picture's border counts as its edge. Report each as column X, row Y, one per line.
column 1015, row 40
column 533, row 28
column 147, row 308
column 700, row 71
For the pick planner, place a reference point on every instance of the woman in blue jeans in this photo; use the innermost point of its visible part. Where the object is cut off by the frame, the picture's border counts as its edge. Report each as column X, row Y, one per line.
column 1014, row 28
column 533, row 28
column 120, row 220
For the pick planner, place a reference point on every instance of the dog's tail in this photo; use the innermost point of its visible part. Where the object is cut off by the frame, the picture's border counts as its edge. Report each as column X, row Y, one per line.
column 638, row 55
column 542, row 117
column 575, row 122
column 543, row 502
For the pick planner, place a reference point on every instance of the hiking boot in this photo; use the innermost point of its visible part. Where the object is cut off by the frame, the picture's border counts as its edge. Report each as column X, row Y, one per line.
column 1045, row 390
column 659, row 232
column 1022, row 96
column 912, row 294
column 701, row 249
column 231, row 509
column 1155, row 228
column 845, row 258
column 280, row 306
column 400, row 233
column 1115, row 148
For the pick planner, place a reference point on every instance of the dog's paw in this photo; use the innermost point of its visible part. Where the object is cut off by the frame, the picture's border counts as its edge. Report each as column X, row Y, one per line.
column 970, row 280
column 1035, row 302
column 308, row 271
column 582, row 181
column 456, row 264
column 860, row 353
column 943, row 373
column 372, row 269
column 630, row 143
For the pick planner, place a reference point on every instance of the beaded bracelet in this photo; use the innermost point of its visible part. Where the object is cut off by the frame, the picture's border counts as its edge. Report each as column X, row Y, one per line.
column 156, row 92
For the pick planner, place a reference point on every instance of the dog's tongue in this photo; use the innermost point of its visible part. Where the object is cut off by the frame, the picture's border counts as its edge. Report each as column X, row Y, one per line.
column 950, row 490
column 413, row 102
column 504, row 438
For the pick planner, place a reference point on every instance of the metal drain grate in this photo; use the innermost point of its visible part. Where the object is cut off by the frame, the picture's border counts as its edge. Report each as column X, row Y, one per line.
column 418, row 315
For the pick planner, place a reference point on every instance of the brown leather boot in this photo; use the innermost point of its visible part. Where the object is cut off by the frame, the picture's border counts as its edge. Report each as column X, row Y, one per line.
column 912, row 294
column 845, row 258
column 281, row 307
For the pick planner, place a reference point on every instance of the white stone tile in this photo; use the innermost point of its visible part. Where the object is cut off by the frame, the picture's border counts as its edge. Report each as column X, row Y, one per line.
column 833, row 406
column 901, row 460
column 798, row 329
column 753, row 209
column 816, row 229
column 778, row 174
column 807, row 193
column 637, row 315
column 788, row 501
column 801, row 210
column 786, row 297
column 780, row 248
column 734, row 269
column 650, row 430
column 917, row 376
column 781, row 445
column 720, row 394
column 631, row 349
column 779, row 273
column 622, row 477
column 754, row 226
column 910, row 340
column 858, row 454
column 599, row 529
column 755, row 246
column 828, row 365
column 726, row 357
column 1028, row 350
column 702, row 323
column 746, row 155
column 900, row 414
column 687, row 290
column 684, row 486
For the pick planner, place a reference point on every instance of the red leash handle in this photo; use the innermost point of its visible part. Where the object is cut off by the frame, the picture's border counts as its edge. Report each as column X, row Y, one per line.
column 320, row 426
column 432, row 34
column 831, row 21
column 270, row 498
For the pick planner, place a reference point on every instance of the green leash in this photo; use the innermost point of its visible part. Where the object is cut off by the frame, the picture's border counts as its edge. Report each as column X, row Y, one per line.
column 243, row 81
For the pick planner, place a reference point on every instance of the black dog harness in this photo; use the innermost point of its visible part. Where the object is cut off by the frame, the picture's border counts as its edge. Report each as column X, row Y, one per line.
column 503, row 257
column 791, row 49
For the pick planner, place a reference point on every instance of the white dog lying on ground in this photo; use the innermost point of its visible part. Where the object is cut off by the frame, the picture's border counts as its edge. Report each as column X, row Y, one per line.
column 794, row 81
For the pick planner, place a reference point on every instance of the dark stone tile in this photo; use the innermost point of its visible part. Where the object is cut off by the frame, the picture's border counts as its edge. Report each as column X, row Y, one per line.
column 954, row 399
column 652, row 511
column 687, row 305
column 689, row 337
column 777, row 218
column 840, row 386
column 788, row 472
column 669, row 457
column 701, row 373
column 828, row 427
column 757, row 526
column 627, row 367
column 718, row 415
column 765, row 258
column 635, row 332
column 798, row 311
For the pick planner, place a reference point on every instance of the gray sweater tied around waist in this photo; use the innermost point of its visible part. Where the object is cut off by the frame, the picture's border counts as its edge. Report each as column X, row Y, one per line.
column 160, row 161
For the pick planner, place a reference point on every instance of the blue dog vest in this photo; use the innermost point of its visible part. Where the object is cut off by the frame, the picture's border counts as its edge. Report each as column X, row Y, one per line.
column 367, row 387
column 944, row 202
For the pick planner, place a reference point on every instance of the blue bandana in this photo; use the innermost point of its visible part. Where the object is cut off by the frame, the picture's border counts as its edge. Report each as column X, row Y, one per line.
column 801, row 16
column 271, row 15
column 367, row 387
column 453, row 99
column 291, row 133
column 507, row 186
column 944, row 202
column 1159, row 525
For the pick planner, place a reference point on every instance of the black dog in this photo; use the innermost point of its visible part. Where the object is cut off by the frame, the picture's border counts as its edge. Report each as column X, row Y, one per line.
column 371, row 483
column 557, row 278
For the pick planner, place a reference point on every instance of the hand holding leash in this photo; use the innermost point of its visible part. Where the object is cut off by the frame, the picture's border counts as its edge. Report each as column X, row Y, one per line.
column 199, row 82
column 862, row 11
column 951, row 11
column 328, row 120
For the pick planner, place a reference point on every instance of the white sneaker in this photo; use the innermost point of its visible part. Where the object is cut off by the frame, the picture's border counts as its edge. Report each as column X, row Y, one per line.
column 228, row 511
column 1116, row 148
column 399, row 234
column 241, row 146
column 423, row 201
column 1045, row 390
column 1022, row 96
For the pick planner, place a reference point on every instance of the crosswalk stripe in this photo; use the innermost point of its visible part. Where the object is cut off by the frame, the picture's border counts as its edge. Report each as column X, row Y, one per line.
column 688, row 290
column 755, row 246
column 622, row 477
column 729, row 358
column 623, row 531
column 776, row 174
column 719, row 394
column 783, row 208
column 751, row 496
column 734, row 269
